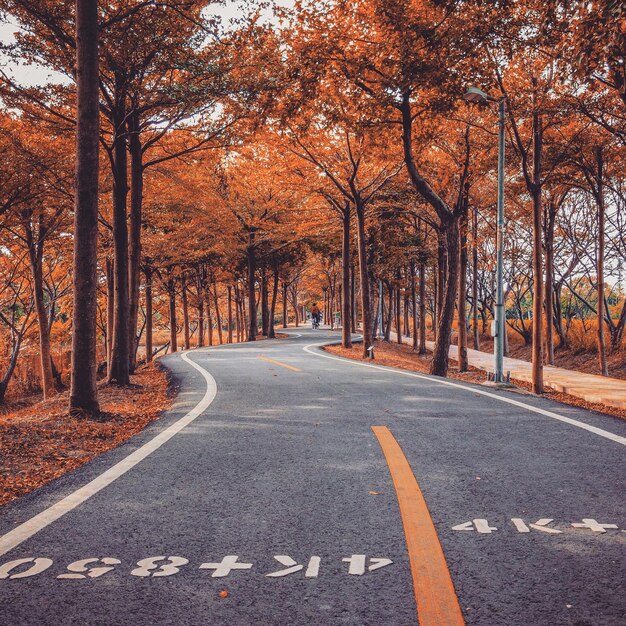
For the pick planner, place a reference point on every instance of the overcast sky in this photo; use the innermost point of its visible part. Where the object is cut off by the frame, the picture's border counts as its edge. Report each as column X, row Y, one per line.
column 29, row 75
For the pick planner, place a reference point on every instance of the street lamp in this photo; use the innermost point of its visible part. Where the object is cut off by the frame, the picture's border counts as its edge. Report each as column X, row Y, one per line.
column 478, row 96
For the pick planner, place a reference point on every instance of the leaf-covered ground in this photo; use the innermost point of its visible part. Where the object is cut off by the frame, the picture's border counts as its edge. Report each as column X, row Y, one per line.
column 41, row 442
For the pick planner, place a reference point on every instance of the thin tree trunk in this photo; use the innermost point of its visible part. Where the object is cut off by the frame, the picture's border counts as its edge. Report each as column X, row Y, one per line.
column 171, row 292
column 209, row 316
column 110, row 278
column 353, row 307
column 537, row 331
column 414, row 305
column 422, row 315
column 439, row 365
column 368, row 339
column 264, row 304
column 285, row 309
column 218, row 314
column 200, row 308
column 549, row 296
column 148, row 273
column 134, row 254
column 271, row 330
column 475, row 329
column 185, row 314
column 252, row 321
column 83, row 392
column 119, row 372
column 35, row 252
column 230, row 313
column 461, row 306
column 604, row 368
column 398, row 312
column 346, row 303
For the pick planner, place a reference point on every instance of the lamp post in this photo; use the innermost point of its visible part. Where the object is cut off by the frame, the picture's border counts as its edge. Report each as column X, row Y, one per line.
column 478, row 96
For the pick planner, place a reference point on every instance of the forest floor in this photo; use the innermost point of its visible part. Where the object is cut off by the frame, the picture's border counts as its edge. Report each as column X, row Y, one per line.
column 39, row 441
column 404, row 357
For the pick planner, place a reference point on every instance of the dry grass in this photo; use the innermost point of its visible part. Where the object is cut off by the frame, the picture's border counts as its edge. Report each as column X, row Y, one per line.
column 403, row 357
column 40, row 442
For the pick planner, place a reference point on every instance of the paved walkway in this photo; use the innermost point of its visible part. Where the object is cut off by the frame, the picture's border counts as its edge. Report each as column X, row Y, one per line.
column 609, row 391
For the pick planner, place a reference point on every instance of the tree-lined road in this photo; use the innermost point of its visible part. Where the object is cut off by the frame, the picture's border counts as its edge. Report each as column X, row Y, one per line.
column 271, row 500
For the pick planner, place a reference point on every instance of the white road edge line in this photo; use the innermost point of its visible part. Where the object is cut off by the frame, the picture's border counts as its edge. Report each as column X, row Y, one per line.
column 29, row 528
column 568, row 420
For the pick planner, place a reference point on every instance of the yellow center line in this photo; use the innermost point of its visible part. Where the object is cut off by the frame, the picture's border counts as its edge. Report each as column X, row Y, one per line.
column 437, row 602
column 289, row 367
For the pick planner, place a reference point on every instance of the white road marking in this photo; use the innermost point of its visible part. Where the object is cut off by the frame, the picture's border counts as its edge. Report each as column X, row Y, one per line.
column 39, row 565
column 568, row 420
column 479, row 525
column 150, row 567
column 540, row 524
column 593, row 525
column 357, row 564
column 227, row 564
column 378, row 563
column 31, row 527
column 83, row 571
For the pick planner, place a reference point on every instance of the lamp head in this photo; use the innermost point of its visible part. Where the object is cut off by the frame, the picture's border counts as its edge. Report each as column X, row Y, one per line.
column 478, row 96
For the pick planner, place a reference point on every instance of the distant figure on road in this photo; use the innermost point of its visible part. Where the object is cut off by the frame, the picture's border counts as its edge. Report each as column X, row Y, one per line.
column 316, row 315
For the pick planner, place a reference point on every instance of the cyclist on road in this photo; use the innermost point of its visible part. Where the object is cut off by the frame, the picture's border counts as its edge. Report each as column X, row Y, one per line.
column 316, row 315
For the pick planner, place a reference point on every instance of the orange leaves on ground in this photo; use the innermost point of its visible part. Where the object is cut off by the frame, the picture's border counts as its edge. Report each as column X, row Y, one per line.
column 41, row 442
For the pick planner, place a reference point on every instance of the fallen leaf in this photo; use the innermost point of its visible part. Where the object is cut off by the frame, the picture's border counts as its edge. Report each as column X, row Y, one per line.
column 374, row 493
column 223, row 594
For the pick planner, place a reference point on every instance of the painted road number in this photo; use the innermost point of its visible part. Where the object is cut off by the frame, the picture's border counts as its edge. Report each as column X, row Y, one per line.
column 162, row 566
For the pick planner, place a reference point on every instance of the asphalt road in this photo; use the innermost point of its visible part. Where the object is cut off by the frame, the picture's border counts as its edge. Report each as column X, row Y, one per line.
column 279, row 467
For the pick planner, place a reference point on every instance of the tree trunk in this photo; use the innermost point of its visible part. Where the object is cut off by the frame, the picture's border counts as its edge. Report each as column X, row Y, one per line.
column 134, row 253
column 35, row 253
column 271, row 330
column 353, row 308
column 148, row 273
column 218, row 314
column 476, row 333
column 414, row 306
column 397, row 311
column 252, row 321
column 549, row 296
column 368, row 339
column 84, row 393
column 119, row 372
column 230, row 313
column 185, row 314
column 209, row 317
column 171, row 292
column 537, row 347
column 346, row 303
column 285, row 309
column 462, row 330
column 265, row 321
column 422, row 315
column 110, row 278
column 439, row 365
column 604, row 368
column 200, row 307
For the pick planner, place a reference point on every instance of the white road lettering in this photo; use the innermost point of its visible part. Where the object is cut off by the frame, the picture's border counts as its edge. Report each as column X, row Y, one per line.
column 38, row 565
column 479, row 525
column 357, row 564
column 150, row 568
column 226, row 566
column 292, row 567
column 594, row 526
column 540, row 524
column 82, row 570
